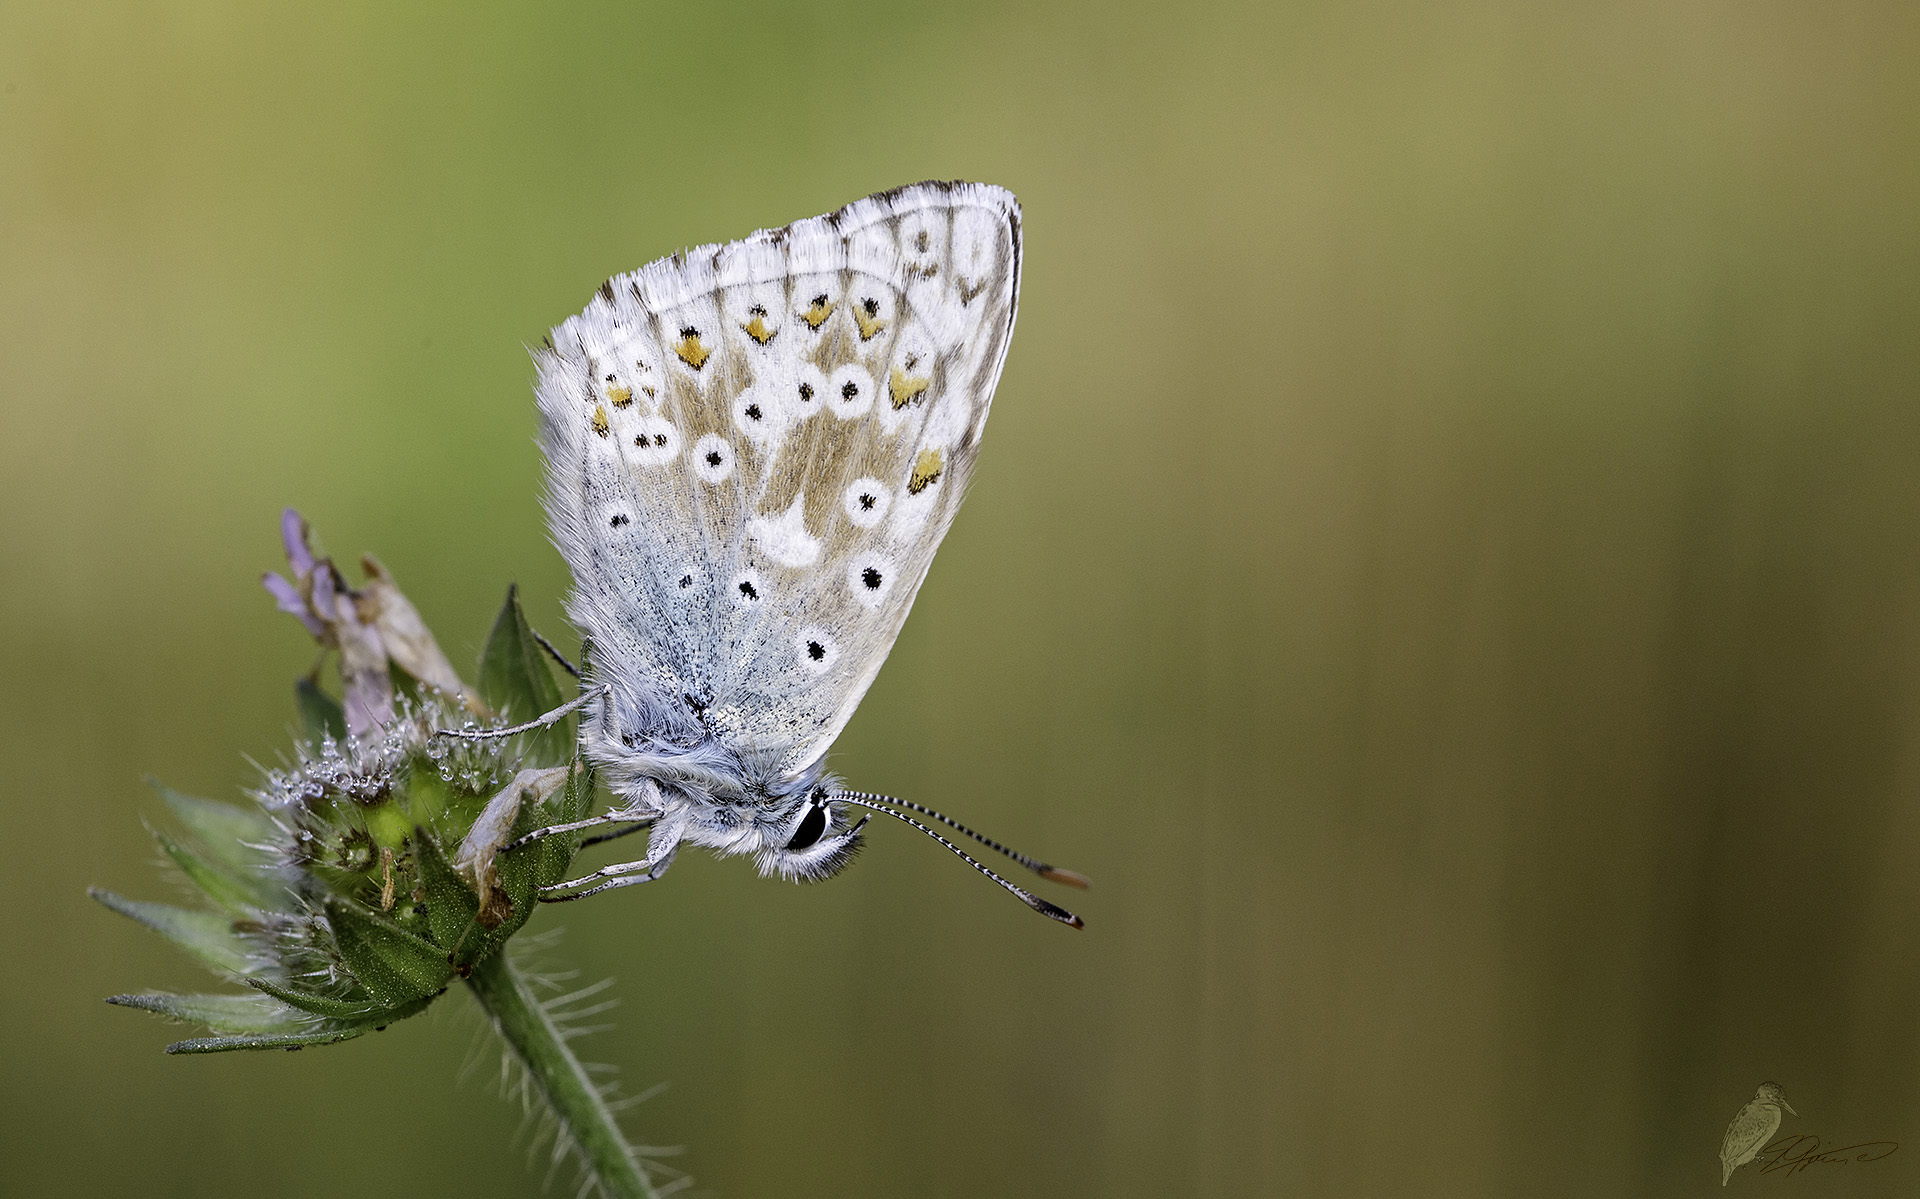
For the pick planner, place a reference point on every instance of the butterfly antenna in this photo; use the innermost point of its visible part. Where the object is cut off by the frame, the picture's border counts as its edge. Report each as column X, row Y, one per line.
column 1071, row 878
column 1033, row 901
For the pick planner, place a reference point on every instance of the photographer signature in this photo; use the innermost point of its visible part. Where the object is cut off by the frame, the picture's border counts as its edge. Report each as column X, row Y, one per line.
column 1796, row 1153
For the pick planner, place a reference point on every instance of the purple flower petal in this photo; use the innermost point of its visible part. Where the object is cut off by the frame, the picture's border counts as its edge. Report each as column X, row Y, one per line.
column 293, row 534
column 363, row 673
column 323, row 602
column 287, row 598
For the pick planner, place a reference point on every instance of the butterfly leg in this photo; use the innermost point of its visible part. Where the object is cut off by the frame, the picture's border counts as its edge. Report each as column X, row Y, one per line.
column 625, row 880
column 642, row 810
column 628, row 831
column 539, row 722
column 555, row 654
column 660, row 850
column 540, row 834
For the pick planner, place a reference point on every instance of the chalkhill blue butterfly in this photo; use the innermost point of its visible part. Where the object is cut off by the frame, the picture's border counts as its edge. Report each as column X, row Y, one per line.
column 753, row 450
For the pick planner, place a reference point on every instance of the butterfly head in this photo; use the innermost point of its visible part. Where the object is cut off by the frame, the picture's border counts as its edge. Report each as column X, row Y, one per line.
column 812, row 840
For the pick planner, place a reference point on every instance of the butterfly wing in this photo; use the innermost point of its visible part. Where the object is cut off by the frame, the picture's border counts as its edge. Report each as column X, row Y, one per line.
column 754, row 450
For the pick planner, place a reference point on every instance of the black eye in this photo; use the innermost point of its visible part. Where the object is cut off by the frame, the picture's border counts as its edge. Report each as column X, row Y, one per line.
column 811, row 826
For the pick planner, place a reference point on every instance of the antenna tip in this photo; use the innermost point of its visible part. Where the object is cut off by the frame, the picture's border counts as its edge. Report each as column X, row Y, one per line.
column 1073, row 878
column 1052, row 911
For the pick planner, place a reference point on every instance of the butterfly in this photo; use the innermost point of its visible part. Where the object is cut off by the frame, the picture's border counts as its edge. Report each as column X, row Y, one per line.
column 753, row 451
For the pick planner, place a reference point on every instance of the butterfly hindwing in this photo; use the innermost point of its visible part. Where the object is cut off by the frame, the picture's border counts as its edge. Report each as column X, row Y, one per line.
column 754, row 450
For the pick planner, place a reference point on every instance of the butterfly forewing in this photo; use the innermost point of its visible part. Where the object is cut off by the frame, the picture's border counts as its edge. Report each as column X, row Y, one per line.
column 754, row 450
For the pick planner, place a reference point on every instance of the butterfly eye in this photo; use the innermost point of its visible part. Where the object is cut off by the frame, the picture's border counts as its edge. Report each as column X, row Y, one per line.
column 812, row 825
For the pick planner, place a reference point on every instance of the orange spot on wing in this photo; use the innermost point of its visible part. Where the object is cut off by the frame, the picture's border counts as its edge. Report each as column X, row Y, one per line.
column 691, row 351
column 599, row 420
column 926, row 471
column 621, row 396
column 816, row 313
column 757, row 329
column 904, row 389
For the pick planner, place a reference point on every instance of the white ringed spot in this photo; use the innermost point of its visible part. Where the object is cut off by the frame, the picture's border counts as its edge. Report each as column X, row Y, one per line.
column 755, row 416
column 815, row 649
column 713, row 458
column 655, row 441
column 870, row 578
column 810, row 392
column 747, row 589
column 865, row 502
column 850, row 391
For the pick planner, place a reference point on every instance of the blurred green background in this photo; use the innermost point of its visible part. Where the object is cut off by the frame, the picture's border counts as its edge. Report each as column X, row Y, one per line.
column 1446, row 562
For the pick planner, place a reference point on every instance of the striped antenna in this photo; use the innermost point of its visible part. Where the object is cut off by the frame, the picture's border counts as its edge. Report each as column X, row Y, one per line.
column 1038, row 904
column 1071, row 878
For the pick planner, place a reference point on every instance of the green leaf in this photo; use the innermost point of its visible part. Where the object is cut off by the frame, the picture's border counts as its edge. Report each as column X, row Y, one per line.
column 516, row 682
column 240, row 890
column 360, row 1009
column 327, row 1034
column 231, row 835
column 298, row 1040
column 209, row 936
column 320, row 714
column 522, row 871
column 391, row 963
column 221, row 1013
column 573, row 801
column 552, row 857
column 453, row 910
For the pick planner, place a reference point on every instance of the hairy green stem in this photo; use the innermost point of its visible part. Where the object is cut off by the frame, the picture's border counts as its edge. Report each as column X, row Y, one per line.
column 524, row 1025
